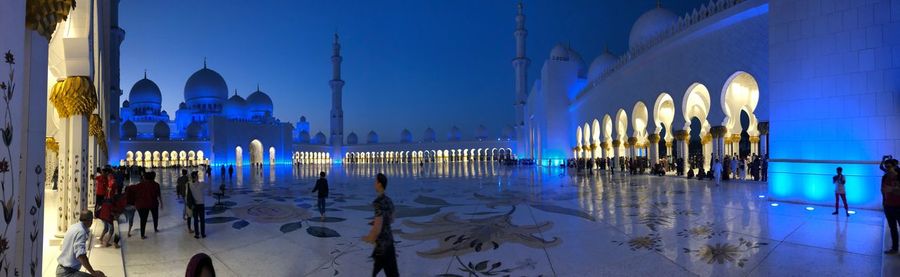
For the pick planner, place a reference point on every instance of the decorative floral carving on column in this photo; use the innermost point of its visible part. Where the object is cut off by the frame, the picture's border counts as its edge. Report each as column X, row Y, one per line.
column 43, row 15
column 7, row 171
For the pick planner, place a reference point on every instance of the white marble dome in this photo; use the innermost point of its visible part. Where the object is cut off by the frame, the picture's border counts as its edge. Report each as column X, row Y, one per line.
column 352, row 139
column 145, row 91
column 205, row 85
column 259, row 103
column 600, row 64
column 235, row 107
column 559, row 53
column 649, row 25
column 429, row 136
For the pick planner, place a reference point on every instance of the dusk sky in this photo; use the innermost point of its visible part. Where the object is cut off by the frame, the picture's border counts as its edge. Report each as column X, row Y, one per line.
column 407, row 64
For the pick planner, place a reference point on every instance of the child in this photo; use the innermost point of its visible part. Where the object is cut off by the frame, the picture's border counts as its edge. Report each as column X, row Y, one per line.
column 839, row 192
column 109, row 211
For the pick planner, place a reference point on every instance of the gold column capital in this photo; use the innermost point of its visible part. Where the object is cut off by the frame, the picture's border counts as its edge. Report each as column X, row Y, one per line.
column 616, row 143
column 654, row 138
column 763, row 128
column 43, row 15
column 74, row 96
column 50, row 144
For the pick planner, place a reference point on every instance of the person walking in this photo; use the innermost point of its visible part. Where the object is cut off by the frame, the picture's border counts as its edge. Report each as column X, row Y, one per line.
column 73, row 251
column 765, row 168
column 717, row 172
column 230, row 171
column 181, row 190
column 148, row 201
column 384, row 255
column 839, row 191
column 890, row 195
column 196, row 195
column 322, row 188
column 100, row 185
column 130, row 196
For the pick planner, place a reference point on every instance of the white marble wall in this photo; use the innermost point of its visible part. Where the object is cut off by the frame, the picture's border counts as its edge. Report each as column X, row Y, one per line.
column 835, row 101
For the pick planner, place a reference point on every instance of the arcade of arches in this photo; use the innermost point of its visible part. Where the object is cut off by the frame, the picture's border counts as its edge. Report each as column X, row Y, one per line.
column 164, row 158
column 431, row 156
column 740, row 133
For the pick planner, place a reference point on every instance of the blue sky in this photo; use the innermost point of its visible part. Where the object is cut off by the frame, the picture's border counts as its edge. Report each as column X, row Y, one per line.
column 407, row 64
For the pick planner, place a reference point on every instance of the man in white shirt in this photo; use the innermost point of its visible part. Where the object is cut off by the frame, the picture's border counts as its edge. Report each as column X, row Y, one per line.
column 74, row 249
column 199, row 210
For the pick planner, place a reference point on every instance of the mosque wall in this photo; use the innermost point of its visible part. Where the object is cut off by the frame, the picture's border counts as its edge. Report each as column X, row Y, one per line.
column 708, row 53
column 227, row 135
column 835, row 100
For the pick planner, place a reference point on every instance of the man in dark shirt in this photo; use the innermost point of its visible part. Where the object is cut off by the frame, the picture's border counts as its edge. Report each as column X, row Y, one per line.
column 322, row 188
column 384, row 254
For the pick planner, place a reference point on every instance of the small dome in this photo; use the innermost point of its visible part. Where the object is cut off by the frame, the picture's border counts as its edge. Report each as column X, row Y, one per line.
column 145, row 92
column 129, row 130
column 559, row 53
column 576, row 57
column 304, row 136
column 302, row 118
column 649, row 25
column 372, row 138
column 455, row 134
column 429, row 135
column 126, row 104
column 193, row 130
column 259, row 103
column 600, row 64
column 406, row 136
column 320, row 138
column 161, row 130
column 481, row 133
column 205, row 85
column 352, row 139
column 235, row 107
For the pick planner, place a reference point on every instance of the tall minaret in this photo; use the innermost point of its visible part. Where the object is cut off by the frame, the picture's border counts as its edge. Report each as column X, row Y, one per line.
column 337, row 112
column 520, row 65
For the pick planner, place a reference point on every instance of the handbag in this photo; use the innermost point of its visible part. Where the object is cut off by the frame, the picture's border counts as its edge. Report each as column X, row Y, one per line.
column 189, row 199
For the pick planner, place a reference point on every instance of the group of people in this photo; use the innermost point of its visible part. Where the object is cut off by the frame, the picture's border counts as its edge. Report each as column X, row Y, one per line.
column 734, row 167
column 116, row 199
column 113, row 199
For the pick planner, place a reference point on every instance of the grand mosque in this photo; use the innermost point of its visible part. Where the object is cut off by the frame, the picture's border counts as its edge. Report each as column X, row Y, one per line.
column 812, row 86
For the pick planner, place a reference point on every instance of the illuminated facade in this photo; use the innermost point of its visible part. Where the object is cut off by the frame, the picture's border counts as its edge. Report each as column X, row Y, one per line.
column 730, row 78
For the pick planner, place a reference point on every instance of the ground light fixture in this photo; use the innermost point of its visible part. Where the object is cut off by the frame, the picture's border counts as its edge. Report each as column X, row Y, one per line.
column 761, row 196
column 851, row 212
column 774, row 204
column 810, row 208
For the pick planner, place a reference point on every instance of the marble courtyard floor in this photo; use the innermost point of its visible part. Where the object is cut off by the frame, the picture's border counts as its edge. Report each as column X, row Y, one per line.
column 477, row 219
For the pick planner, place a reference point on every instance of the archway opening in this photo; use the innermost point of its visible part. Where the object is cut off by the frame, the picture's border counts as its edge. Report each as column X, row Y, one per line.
column 663, row 150
column 256, row 152
column 695, row 147
column 744, row 144
column 238, row 155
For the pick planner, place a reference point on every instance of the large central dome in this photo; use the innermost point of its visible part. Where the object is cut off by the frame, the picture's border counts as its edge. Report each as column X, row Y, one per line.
column 649, row 25
column 205, row 86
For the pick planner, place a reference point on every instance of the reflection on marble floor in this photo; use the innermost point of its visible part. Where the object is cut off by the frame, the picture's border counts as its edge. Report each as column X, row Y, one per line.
column 481, row 219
